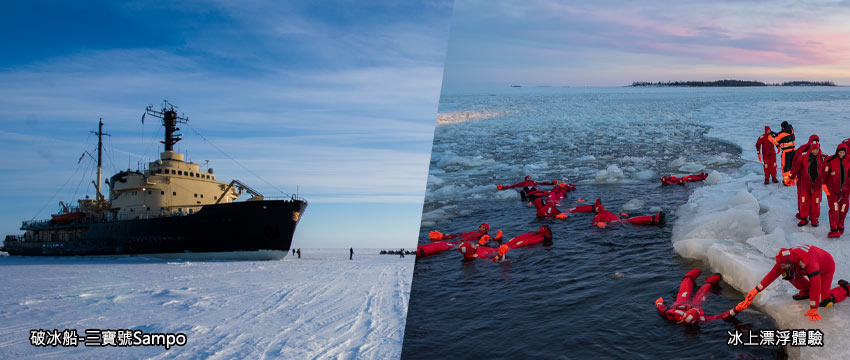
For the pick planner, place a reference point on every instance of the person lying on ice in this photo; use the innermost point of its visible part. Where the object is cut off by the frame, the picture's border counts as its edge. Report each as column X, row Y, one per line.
column 837, row 188
column 604, row 217
column 548, row 210
column 528, row 185
column 671, row 180
column 687, row 308
column 764, row 144
column 472, row 235
column 558, row 193
column 810, row 269
column 807, row 173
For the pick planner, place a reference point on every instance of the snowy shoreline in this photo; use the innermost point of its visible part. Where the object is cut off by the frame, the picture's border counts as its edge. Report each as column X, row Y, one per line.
column 736, row 224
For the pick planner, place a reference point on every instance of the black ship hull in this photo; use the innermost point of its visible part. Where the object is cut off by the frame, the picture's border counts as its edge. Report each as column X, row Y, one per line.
column 237, row 226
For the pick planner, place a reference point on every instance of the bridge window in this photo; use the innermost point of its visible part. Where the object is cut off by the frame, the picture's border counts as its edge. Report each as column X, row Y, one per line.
column 149, row 192
column 196, row 195
column 162, row 192
column 173, row 193
column 179, row 172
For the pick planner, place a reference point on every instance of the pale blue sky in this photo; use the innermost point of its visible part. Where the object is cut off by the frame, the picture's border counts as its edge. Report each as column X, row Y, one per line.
column 337, row 97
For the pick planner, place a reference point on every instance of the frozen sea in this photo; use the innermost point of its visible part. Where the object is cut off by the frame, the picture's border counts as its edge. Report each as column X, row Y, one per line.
column 616, row 143
column 320, row 306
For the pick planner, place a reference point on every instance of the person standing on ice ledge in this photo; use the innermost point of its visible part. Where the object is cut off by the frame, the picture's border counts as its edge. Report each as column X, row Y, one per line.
column 764, row 144
column 688, row 305
column 351, row 254
column 837, row 188
column 807, row 170
column 786, row 144
column 796, row 265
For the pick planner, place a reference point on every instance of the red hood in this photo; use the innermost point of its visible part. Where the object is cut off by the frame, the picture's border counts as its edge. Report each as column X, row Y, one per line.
column 546, row 232
column 841, row 146
column 486, row 227
column 786, row 255
column 767, row 130
column 538, row 203
column 813, row 138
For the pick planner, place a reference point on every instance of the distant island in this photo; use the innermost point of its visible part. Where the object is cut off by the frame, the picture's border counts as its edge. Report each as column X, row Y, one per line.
column 724, row 83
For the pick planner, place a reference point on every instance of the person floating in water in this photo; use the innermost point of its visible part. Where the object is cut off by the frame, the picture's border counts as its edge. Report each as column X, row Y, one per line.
column 548, row 210
column 542, row 235
column 809, row 269
column 604, row 217
column 587, row 208
column 528, row 185
column 767, row 154
column 687, row 308
column 807, row 173
column 671, row 180
column 472, row 235
column 837, row 188
column 558, row 193
column 434, row 248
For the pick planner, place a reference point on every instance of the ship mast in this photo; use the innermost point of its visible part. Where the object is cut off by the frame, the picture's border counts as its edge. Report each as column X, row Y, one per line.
column 169, row 120
column 99, row 134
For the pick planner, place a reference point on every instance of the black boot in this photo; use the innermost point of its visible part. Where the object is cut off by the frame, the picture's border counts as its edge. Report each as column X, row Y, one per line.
column 800, row 296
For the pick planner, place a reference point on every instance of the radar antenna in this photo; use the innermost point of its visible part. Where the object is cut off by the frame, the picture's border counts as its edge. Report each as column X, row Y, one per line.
column 169, row 120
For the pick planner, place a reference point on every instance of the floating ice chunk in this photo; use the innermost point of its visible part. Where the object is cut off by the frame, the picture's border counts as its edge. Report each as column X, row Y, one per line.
column 502, row 195
column 587, row 158
column 645, row 175
column 427, row 224
column 655, row 209
column 714, row 178
column 434, row 215
column 435, row 181
column 633, row 204
column 678, row 162
column 691, row 167
column 611, row 174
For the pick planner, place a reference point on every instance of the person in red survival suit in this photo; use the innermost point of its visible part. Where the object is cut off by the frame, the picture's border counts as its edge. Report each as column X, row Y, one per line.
column 671, row 180
column 837, row 188
column 558, row 193
column 548, row 210
column 796, row 265
column 786, row 144
column 687, row 308
column 528, row 185
column 433, row 248
column 472, row 235
column 587, row 208
column 803, row 148
column 807, row 172
column 765, row 145
column 542, row 235
column 604, row 217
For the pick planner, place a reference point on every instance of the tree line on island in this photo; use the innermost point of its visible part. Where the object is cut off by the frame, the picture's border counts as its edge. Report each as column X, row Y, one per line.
column 725, row 83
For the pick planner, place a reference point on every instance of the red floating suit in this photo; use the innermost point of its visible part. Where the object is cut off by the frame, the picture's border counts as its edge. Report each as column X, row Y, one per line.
column 433, row 248
column 806, row 170
column 687, row 308
column 767, row 154
column 671, row 180
column 604, row 217
column 472, row 235
column 835, row 171
column 548, row 210
column 544, row 234
column 528, row 182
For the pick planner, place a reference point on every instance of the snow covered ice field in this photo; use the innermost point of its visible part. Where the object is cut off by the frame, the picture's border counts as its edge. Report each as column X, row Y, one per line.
column 320, row 306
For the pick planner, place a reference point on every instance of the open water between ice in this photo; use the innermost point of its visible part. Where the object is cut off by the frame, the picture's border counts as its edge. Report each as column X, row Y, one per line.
column 563, row 300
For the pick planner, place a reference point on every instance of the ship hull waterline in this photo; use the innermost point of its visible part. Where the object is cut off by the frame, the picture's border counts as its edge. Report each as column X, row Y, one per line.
column 239, row 226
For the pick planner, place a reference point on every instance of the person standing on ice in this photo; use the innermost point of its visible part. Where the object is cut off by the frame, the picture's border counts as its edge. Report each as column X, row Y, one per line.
column 837, row 187
column 687, row 308
column 786, row 144
column 299, row 253
column 807, row 170
column 351, row 254
column 810, row 269
column 604, row 217
column 764, row 144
